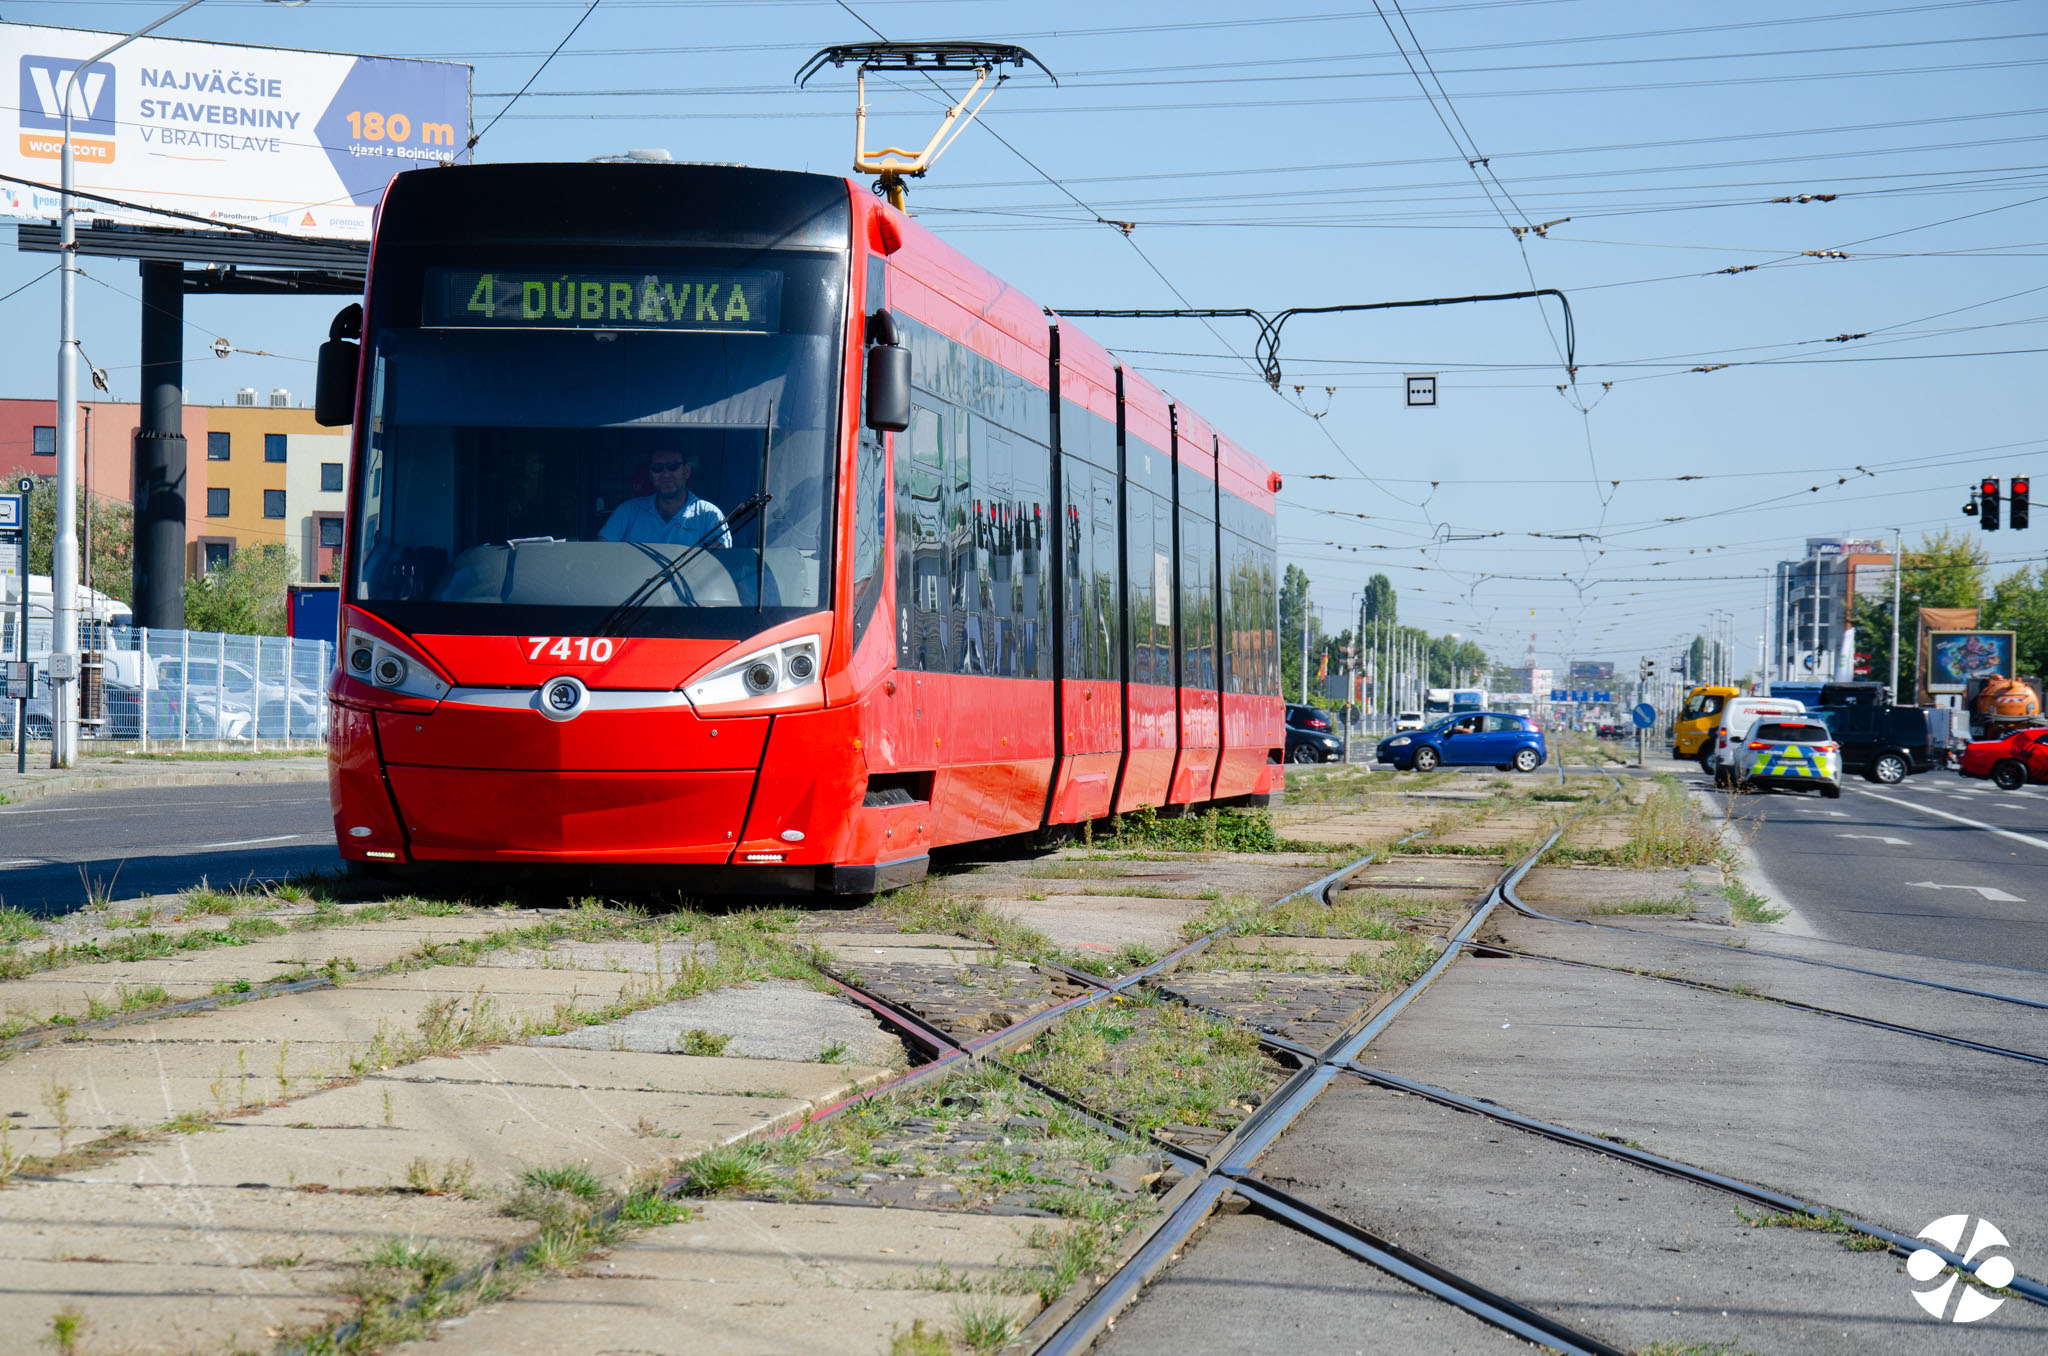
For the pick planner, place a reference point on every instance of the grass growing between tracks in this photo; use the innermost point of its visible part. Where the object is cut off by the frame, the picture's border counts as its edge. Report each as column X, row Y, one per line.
column 1665, row 829
column 1855, row 1240
column 401, row 1288
column 1747, row 906
column 1150, row 1063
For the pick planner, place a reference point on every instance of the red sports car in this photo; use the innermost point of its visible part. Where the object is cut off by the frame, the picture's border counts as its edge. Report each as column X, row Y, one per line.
column 2011, row 762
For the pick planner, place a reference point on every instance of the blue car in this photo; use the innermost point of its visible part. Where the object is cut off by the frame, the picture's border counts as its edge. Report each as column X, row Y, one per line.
column 1476, row 738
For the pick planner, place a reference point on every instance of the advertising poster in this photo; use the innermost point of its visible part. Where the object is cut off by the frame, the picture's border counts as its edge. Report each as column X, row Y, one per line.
column 297, row 142
column 1592, row 671
column 1955, row 657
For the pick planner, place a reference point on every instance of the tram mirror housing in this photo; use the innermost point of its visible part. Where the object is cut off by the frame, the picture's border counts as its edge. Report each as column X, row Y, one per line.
column 334, row 389
column 888, row 385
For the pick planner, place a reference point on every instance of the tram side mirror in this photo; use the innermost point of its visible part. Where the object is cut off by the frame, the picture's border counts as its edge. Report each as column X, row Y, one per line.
column 888, row 385
column 334, row 388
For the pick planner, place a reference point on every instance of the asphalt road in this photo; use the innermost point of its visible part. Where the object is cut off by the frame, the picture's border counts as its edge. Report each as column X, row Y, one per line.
column 54, row 852
column 1938, row 866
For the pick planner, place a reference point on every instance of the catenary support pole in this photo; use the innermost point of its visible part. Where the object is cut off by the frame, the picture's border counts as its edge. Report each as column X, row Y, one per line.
column 160, row 451
column 1898, row 567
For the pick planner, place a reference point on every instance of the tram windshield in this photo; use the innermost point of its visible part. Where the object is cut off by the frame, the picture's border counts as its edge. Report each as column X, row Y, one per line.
column 544, row 446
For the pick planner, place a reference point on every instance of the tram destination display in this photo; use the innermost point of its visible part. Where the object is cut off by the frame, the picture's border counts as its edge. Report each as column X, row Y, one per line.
column 748, row 300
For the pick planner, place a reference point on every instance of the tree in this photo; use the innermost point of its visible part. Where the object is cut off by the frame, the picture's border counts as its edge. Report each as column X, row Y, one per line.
column 1943, row 571
column 2019, row 603
column 111, row 528
column 1696, row 661
column 246, row 596
column 1379, row 600
column 1294, row 616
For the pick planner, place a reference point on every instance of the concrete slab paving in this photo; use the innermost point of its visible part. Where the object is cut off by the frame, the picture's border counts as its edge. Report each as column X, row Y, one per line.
column 774, row 1019
column 1251, row 1285
column 1577, row 891
column 2017, row 981
column 67, row 991
column 629, row 1071
column 184, row 1269
column 1862, row 1120
column 750, row 1279
column 1329, row 951
column 1621, row 1253
column 143, row 1084
column 368, row 1134
column 1106, row 922
column 1980, row 1019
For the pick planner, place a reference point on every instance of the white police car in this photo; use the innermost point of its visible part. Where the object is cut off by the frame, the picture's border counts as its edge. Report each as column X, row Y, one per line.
column 1792, row 752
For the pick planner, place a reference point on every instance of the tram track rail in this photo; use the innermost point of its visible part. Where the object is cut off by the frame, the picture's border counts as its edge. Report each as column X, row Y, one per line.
column 1797, row 1005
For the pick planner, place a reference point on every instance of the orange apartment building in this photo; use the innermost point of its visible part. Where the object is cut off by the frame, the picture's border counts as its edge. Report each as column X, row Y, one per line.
column 254, row 471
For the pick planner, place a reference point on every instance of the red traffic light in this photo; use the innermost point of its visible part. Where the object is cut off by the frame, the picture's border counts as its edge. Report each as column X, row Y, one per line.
column 1987, row 503
column 2019, row 501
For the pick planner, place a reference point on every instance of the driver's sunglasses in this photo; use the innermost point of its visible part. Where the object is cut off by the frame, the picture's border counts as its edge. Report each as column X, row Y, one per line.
column 664, row 467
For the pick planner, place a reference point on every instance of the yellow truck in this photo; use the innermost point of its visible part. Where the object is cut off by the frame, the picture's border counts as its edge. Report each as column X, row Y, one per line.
column 1697, row 719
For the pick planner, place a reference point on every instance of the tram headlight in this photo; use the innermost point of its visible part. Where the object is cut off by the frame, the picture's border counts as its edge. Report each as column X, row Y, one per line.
column 769, row 671
column 383, row 664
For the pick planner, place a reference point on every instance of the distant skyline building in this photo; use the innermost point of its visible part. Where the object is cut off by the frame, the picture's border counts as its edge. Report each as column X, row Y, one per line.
column 1813, row 602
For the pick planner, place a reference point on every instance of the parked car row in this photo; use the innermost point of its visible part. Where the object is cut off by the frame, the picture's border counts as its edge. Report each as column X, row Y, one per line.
column 196, row 698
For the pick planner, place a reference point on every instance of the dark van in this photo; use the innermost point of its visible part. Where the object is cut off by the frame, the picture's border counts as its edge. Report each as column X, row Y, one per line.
column 1884, row 743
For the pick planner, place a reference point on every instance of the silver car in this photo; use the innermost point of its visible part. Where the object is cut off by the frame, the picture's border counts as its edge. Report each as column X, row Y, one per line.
column 1794, row 753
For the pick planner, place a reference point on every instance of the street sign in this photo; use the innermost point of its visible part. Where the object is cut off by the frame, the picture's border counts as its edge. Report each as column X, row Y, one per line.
column 13, row 513
column 1644, row 715
column 1421, row 388
column 17, row 681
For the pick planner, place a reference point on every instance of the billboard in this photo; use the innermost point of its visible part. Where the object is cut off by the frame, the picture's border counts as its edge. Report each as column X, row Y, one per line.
column 1953, row 658
column 297, row 142
column 1591, row 671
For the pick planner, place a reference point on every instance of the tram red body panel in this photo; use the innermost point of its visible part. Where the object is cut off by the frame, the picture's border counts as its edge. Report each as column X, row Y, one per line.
column 1153, row 724
column 1253, row 725
column 457, row 813
column 1201, row 714
column 1091, row 710
column 871, row 762
column 673, row 739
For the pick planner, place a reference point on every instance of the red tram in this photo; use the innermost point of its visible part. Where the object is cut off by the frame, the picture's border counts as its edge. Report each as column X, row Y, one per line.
column 636, row 574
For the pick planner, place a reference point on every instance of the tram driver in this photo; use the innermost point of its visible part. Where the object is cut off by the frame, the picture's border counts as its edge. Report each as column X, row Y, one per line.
column 672, row 514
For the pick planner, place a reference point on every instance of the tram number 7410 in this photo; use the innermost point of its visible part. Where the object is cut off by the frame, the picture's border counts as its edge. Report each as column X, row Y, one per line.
column 574, row 649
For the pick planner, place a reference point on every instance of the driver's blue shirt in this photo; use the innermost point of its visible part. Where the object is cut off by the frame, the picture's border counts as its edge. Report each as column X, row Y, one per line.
column 698, row 520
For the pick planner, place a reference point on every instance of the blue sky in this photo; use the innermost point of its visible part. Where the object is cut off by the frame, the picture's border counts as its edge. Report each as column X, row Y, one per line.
column 1286, row 155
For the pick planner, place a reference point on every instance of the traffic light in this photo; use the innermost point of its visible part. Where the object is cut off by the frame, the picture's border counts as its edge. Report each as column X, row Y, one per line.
column 1987, row 503
column 2019, row 502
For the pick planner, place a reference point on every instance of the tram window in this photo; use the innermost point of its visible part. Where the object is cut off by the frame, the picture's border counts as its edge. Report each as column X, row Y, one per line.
column 1197, row 591
column 870, row 513
column 921, row 571
column 546, row 470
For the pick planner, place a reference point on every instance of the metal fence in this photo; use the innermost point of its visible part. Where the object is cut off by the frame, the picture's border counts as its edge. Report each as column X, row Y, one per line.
column 174, row 688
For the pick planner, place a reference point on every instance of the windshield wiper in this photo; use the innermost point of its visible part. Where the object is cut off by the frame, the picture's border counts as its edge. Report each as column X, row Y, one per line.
column 636, row 601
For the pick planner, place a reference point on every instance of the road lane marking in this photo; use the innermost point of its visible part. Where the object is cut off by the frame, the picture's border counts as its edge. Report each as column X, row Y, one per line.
column 252, row 842
column 1809, row 810
column 1876, row 837
column 1990, row 892
column 2026, row 838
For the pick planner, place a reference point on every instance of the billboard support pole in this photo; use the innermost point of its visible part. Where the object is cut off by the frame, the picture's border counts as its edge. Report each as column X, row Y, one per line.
column 64, row 558
column 160, row 453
